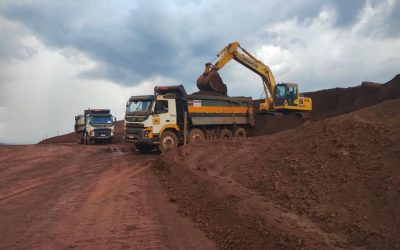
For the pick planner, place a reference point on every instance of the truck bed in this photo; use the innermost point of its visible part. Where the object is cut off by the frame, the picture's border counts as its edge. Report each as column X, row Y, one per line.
column 220, row 110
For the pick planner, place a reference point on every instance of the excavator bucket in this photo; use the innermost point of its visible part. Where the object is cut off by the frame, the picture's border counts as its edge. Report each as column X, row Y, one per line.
column 211, row 82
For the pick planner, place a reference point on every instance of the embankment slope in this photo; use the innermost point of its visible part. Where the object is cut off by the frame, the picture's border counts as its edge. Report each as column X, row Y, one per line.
column 328, row 184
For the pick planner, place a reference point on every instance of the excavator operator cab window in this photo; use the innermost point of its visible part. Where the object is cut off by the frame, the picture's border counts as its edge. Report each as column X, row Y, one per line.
column 280, row 91
column 290, row 90
column 291, row 94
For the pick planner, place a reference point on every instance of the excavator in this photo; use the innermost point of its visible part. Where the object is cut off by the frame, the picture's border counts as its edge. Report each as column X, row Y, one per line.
column 280, row 98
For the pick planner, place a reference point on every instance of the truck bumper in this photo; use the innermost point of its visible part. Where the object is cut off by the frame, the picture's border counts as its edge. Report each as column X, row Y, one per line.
column 135, row 135
column 101, row 138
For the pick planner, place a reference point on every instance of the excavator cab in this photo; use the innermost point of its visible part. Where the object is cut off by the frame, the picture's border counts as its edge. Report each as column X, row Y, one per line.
column 286, row 94
column 287, row 97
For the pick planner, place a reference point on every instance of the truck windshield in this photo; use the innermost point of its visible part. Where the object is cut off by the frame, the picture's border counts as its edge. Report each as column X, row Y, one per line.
column 101, row 120
column 141, row 106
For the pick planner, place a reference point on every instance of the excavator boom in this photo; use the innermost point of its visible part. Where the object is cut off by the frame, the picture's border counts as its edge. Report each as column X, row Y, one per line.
column 211, row 81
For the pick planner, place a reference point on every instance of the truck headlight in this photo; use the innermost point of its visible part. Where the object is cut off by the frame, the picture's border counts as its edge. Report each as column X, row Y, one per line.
column 148, row 133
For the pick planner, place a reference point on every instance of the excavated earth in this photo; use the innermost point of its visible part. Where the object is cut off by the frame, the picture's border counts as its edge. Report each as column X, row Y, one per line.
column 332, row 184
column 320, row 184
column 328, row 182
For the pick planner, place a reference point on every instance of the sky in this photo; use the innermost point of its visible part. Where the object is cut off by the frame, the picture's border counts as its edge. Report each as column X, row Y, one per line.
column 58, row 58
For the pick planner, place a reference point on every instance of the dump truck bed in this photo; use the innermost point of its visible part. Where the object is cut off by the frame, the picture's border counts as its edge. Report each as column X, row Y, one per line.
column 219, row 110
column 79, row 123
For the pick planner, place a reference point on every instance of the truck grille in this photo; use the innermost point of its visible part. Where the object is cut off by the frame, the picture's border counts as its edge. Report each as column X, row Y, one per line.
column 102, row 132
column 134, row 125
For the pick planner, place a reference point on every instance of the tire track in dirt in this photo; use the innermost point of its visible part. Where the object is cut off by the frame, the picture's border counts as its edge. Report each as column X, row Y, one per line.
column 103, row 197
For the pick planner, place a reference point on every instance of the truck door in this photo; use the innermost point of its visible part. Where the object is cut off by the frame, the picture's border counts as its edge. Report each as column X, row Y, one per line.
column 164, row 114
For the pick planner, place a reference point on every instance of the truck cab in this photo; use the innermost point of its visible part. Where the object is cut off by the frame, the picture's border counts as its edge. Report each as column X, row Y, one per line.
column 95, row 125
column 147, row 117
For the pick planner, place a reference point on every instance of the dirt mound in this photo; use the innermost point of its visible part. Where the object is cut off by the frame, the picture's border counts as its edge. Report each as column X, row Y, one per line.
column 331, row 102
column 325, row 185
column 70, row 138
column 206, row 92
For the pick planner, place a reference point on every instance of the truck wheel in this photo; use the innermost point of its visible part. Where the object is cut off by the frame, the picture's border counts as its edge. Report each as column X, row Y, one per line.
column 225, row 134
column 144, row 148
column 168, row 141
column 85, row 140
column 196, row 135
column 240, row 133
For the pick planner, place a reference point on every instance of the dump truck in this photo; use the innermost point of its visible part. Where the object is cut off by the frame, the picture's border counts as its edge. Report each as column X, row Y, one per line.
column 94, row 126
column 170, row 117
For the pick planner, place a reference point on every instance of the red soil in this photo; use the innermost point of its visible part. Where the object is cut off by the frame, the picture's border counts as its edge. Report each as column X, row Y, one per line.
column 325, row 185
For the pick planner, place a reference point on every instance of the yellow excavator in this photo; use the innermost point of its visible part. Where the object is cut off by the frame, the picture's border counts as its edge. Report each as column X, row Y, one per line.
column 282, row 98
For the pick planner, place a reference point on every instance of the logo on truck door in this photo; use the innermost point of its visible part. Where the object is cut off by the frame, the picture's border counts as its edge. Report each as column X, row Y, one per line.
column 156, row 120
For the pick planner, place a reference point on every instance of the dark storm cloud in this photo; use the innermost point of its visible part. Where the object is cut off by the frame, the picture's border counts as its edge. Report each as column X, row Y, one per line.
column 149, row 41
column 153, row 39
column 347, row 11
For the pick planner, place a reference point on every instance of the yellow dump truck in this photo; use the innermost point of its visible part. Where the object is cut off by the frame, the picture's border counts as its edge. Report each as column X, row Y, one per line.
column 170, row 118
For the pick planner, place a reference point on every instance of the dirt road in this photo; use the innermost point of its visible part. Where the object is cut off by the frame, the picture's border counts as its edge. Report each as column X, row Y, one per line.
column 78, row 197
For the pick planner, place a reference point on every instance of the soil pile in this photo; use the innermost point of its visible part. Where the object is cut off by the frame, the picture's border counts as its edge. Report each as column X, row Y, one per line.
column 207, row 92
column 70, row 138
column 331, row 102
column 325, row 185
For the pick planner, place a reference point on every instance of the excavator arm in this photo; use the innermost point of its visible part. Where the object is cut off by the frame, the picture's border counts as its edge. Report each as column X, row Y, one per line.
column 246, row 59
column 286, row 99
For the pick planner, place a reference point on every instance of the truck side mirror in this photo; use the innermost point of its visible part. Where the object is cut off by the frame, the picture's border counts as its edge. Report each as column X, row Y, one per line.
column 115, row 119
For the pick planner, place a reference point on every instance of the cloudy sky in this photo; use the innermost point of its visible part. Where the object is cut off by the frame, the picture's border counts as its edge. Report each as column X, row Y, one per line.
column 60, row 57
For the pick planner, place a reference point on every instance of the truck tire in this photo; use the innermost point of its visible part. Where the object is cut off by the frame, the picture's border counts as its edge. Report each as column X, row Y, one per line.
column 196, row 134
column 85, row 139
column 225, row 134
column 168, row 141
column 144, row 148
column 240, row 133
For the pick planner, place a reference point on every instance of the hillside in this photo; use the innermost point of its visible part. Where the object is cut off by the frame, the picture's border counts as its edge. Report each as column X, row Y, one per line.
column 325, row 185
column 332, row 102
